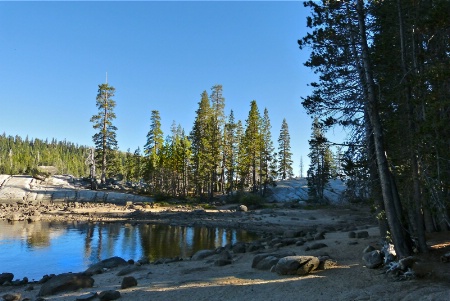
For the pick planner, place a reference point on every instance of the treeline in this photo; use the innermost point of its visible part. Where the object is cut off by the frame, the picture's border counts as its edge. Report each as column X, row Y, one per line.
column 22, row 156
column 384, row 74
column 219, row 154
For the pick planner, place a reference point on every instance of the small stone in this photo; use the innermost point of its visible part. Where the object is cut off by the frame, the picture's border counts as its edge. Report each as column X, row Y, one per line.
column 362, row 234
column 128, row 281
column 351, row 234
column 109, row 295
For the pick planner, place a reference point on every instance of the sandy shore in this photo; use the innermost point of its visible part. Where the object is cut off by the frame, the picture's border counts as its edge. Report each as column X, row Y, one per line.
column 202, row 280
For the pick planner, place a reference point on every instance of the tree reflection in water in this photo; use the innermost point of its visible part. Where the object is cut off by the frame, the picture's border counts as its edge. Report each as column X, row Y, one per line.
column 58, row 247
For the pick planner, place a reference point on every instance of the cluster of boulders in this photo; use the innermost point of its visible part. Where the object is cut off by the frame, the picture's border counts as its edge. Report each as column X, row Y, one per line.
column 53, row 284
column 399, row 268
column 32, row 211
column 21, row 211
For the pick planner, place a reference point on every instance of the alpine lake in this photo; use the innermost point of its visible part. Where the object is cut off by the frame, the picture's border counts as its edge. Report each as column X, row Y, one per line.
column 41, row 248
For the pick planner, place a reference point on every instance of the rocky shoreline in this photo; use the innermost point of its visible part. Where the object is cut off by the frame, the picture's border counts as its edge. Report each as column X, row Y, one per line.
column 326, row 253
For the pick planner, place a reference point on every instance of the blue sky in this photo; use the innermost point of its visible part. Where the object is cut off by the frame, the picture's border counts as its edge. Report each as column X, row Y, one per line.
column 159, row 56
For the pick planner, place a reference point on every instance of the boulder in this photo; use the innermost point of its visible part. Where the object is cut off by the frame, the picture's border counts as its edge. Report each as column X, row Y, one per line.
column 128, row 281
column 239, row 247
column 242, row 208
column 362, row 234
column 109, row 263
column 373, row 259
column 65, row 282
column 254, row 246
column 224, row 258
column 109, row 295
column 266, row 261
column 6, row 277
column 199, row 255
column 296, row 265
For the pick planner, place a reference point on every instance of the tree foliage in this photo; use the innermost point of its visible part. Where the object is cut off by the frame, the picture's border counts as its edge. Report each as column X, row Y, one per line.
column 105, row 137
column 383, row 74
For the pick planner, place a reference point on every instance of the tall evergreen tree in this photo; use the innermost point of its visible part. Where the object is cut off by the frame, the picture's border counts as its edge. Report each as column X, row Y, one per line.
column 319, row 168
column 230, row 151
column 284, row 152
column 217, row 121
column 105, row 139
column 251, row 143
column 201, row 146
column 152, row 150
column 266, row 151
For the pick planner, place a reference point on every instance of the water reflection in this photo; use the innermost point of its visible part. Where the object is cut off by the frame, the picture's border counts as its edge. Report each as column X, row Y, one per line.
column 36, row 249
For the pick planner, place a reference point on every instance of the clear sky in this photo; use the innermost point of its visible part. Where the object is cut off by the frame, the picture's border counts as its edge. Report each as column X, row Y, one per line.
column 159, row 56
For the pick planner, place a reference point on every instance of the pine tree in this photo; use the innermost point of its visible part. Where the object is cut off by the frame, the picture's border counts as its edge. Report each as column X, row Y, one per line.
column 105, row 139
column 285, row 170
column 266, row 151
column 217, row 122
column 230, row 151
column 251, row 143
column 152, row 150
column 201, row 146
column 318, row 172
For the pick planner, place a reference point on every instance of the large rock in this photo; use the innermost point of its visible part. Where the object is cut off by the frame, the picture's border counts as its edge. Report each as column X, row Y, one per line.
column 65, row 282
column 239, row 247
column 224, row 258
column 296, row 265
column 109, row 263
column 266, row 261
column 373, row 259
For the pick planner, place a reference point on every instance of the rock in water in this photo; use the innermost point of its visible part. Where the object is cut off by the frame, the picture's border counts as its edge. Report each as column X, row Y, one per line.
column 65, row 282
column 98, row 267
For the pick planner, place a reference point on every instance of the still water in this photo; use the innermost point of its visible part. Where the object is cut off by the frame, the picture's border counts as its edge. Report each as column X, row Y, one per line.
column 36, row 249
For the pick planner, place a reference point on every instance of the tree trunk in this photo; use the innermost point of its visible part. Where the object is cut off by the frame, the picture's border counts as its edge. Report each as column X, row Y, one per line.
column 375, row 192
column 399, row 235
column 418, row 220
